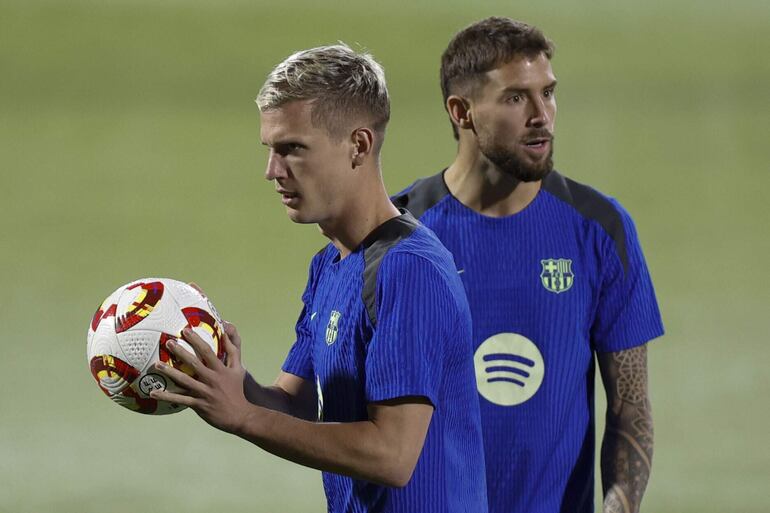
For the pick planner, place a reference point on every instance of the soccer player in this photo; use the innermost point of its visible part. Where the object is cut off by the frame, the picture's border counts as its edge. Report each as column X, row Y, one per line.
column 554, row 274
column 378, row 391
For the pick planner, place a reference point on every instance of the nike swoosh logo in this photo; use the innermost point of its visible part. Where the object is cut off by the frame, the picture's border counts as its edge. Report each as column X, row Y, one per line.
column 461, row 271
column 312, row 315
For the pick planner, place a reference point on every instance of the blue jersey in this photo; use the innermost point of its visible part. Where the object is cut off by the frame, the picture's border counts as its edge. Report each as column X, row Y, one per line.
column 391, row 320
column 547, row 287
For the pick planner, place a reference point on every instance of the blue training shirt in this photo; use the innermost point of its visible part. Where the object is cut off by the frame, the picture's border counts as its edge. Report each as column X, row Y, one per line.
column 547, row 288
column 391, row 320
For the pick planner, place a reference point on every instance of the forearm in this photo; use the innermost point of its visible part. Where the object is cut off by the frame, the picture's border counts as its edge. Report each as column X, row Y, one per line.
column 276, row 398
column 626, row 455
column 626, row 459
column 355, row 449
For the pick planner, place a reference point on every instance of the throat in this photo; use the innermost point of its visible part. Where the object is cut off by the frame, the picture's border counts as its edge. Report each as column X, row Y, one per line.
column 490, row 193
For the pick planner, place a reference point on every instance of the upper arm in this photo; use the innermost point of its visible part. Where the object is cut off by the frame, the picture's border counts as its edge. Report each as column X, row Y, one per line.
column 290, row 394
column 300, row 393
column 299, row 361
column 624, row 375
column 417, row 330
column 627, row 313
column 402, row 424
column 293, row 385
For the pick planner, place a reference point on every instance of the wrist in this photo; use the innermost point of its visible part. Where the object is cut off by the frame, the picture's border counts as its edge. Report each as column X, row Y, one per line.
column 250, row 424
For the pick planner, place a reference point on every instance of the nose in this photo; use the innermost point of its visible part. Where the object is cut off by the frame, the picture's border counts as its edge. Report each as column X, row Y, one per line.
column 539, row 115
column 276, row 167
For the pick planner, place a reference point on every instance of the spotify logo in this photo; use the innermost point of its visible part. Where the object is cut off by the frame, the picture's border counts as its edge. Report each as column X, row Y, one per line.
column 509, row 369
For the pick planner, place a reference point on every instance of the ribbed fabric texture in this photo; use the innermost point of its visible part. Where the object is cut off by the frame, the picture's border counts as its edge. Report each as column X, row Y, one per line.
column 540, row 451
column 420, row 346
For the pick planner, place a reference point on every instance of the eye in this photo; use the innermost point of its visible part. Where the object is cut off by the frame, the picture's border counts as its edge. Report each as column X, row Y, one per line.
column 548, row 93
column 516, row 98
column 288, row 148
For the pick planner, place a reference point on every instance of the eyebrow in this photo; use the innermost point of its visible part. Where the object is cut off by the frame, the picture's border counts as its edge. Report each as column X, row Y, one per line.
column 284, row 143
column 514, row 89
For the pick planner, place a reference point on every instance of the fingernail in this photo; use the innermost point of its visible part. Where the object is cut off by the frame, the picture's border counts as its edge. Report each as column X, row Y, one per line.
column 170, row 344
column 160, row 365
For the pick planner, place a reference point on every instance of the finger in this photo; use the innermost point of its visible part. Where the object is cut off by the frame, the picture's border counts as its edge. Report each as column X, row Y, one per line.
column 232, row 333
column 184, row 400
column 186, row 358
column 180, row 378
column 233, row 353
column 201, row 348
column 196, row 287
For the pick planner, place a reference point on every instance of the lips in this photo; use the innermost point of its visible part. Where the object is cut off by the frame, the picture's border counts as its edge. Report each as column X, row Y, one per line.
column 537, row 146
column 286, row 193
column 537, row 141
column 288, row 197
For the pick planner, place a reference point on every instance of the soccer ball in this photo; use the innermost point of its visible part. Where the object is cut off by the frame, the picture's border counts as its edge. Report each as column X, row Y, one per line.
column 129, row 332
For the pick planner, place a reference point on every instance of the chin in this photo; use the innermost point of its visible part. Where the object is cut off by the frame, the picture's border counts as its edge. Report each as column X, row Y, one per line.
column 294, row 215
column 533, row 174
column 519, row 165
column 299, row 217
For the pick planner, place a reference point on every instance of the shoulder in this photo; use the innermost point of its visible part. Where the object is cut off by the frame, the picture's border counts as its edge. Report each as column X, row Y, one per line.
column 424, row 281
column 409, row 244
column 595, row 206
column 405, row 250
column 422, row 195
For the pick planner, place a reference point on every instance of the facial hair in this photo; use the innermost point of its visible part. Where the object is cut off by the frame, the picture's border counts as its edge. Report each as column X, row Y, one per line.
column 511, row 164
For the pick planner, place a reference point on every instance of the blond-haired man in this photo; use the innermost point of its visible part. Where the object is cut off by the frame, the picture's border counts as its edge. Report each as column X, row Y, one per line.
column 378, row 391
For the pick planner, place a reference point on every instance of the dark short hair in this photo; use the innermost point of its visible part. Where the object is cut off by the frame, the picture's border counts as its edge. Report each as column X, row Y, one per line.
column 483, row 46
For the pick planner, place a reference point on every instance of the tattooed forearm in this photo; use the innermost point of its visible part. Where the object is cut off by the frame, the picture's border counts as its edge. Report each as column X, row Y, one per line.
column 626, row 456
column 615, row 501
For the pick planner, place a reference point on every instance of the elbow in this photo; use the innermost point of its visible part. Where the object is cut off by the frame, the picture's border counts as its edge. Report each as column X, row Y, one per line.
column 397, row 478
column 397, row 471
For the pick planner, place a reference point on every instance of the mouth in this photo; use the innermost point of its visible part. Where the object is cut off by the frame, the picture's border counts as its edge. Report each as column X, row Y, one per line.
column 288, row 197
column 537, row 144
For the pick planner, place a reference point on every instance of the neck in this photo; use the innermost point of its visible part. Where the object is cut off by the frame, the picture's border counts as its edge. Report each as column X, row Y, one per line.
column 479, row 185
column 368, row 208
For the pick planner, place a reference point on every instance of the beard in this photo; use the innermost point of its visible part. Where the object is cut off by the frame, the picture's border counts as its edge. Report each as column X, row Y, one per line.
column 514, row 165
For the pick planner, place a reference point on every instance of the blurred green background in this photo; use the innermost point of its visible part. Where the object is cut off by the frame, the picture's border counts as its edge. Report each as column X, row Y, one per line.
column 129, row 147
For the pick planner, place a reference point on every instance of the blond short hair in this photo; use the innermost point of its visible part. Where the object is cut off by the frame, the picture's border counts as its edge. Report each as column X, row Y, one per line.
column 344, row 87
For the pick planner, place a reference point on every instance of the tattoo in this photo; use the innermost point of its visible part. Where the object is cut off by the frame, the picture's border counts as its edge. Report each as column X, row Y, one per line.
column 626, row 455
column 615, row 501
column 632, row 374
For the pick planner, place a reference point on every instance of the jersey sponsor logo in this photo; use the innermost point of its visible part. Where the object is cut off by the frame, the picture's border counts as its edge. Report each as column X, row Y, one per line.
column 332, row 328
column 509, row 369
column 556, row 275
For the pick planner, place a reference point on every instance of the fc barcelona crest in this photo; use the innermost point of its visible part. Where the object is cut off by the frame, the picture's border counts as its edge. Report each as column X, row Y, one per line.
column 331, row 328
column 557, row 275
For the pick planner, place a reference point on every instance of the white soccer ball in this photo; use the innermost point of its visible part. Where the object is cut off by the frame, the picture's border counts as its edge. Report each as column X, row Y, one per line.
column 129, row 332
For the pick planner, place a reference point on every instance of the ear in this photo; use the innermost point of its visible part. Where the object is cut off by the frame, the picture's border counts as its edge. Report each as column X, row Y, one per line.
column 459, row 110
column 362, row 140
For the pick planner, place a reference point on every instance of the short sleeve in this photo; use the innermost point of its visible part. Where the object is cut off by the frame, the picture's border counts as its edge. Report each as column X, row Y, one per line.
column 299, row 361
column 417, row 316
column 627, row 314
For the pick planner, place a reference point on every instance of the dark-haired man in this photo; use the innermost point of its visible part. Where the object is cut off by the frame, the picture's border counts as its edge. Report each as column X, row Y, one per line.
column 554, row 274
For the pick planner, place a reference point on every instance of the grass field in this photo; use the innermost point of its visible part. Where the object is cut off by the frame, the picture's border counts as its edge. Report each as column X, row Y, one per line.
column 129, row 147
